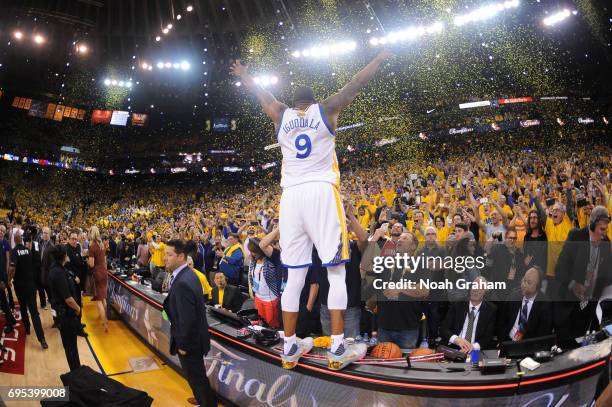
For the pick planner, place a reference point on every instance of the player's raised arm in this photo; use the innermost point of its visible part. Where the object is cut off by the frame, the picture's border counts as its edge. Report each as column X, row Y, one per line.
column 334, row 104
column 272, row 107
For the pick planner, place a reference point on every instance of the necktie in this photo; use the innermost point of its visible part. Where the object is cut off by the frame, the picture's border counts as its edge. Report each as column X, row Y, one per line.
column 470, row 326
column 523, row 317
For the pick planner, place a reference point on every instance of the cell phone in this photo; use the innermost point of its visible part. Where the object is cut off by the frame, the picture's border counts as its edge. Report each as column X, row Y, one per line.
column 581, row 203
column 253, row 223
column 550, row 201
column 484, row 200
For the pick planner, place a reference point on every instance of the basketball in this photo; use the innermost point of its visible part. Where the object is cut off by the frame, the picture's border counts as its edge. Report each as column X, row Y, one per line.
column 386, row 350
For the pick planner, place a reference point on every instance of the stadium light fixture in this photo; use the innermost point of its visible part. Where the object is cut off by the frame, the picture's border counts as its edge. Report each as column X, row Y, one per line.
column 82, row 49
column 408, row 34
column 189, row 9
column 556, row 18
column 168, row 65
column 157, row 39
column 169, row 26
column 107, row 82
column 185, row 66
column 178, row 16
column 266, row 80
column 485, row 13
column 324, row 51
column 39, row 39
column 165, row 31
column 18, row 35
column 160, row 65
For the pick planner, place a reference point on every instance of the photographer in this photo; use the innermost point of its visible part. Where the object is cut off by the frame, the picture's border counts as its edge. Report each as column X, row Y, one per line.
column 505, row 262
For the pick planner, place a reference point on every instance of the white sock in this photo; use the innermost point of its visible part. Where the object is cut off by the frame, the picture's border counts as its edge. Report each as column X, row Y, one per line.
column 337, row 340
column 288, row 342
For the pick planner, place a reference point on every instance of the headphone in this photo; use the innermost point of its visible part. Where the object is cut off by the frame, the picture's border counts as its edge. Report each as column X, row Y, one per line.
column 593, row 223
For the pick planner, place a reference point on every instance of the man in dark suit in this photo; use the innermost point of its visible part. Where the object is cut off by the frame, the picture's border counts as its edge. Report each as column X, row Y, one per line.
column 584, row 269
column 527, row 314
column 44, row 247
column 189, row 329
column 226, row 295
column 470, row 325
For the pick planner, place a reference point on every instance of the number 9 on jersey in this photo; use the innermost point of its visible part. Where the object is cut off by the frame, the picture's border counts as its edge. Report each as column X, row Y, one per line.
column 303, row 146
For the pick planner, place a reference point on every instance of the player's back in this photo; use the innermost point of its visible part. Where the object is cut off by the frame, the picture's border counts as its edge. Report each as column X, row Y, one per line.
column 308, row 147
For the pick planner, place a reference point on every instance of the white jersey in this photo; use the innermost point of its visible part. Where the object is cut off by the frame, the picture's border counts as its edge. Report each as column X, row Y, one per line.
column 308, row 146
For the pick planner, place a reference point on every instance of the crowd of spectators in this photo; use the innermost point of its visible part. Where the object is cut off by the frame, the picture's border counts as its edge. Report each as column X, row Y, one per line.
column 459, row 201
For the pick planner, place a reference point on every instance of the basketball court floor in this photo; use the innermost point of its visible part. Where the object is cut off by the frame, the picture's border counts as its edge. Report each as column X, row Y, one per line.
column 109, row 353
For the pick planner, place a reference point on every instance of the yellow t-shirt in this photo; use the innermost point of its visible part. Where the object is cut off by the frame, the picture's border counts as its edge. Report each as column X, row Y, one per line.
column 206, row 288
column 556, row 235
column 221, row 292
column 389, row 195
column 158, row 255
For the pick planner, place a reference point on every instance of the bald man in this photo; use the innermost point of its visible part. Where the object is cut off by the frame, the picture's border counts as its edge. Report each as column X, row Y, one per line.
column 528, row 312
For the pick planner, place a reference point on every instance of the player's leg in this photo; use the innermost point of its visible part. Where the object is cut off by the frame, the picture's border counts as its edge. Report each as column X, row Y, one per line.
column 329, row 234
column 296, row 255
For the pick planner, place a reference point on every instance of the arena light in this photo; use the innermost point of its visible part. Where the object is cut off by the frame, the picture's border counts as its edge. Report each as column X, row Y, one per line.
column 121, row 83
column 178, row 16
column 145, row 65
column 82, row 49
column 168, row 65
column 160, row 65
column 18, row 35
column 39, row 39
column 165, row 31
column 185, row 66
column 266, row 80
column 408, row 34
column 485, row 13
column 169, row 26
column 324, row 51
column 189, row 9
column 158, row 38
column 556, row 18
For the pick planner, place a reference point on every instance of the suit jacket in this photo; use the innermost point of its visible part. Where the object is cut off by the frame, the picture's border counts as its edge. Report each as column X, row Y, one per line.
column 485, row 327
column 573, row 261
column 232, row 298
column 187, row 314
column 539, row 322
column 46, row 261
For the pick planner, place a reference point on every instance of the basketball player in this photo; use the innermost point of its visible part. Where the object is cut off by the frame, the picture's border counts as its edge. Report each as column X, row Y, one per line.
column 311, row 211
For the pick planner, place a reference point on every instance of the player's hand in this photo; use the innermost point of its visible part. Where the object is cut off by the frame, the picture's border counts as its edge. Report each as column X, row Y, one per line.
column 238, row 69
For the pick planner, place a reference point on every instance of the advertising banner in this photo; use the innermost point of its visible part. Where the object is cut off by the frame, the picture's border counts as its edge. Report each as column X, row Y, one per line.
column 249, row 379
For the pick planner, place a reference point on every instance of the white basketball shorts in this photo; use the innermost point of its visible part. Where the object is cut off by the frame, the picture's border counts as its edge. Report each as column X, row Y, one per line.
column 312, row 213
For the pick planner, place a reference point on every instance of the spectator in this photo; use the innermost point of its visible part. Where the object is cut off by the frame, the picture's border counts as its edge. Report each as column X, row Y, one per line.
column 232, row 260
column 266, row 277
column 527, row 313
column 470, row 325
column 97, row 262
column 225, row 295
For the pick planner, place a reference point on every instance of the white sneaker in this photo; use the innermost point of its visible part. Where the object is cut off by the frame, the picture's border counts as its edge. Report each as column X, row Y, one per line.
column 352, row 352
column 303, row 346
